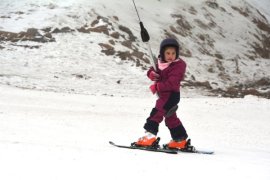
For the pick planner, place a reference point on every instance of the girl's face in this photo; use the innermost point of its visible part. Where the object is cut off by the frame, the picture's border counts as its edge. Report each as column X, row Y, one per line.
column 170, row 54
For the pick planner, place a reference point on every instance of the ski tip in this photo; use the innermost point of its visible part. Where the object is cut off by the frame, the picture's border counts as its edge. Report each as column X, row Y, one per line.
column 112, row 143
column 205, row 152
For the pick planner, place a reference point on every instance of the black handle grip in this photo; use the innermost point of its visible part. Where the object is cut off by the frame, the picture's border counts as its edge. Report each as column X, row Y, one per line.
column 144, row 34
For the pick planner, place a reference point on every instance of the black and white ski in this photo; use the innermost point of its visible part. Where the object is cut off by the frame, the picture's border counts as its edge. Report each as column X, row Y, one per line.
column 145, row 148
column 164, row 149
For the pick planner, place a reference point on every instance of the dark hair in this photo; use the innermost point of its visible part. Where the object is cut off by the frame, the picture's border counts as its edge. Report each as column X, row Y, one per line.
column 169, row 42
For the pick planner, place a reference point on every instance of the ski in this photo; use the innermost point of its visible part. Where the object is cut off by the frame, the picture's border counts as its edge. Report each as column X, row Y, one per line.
column 145, row 148
column 190, row 149
column 195, row 151
column 165, row 149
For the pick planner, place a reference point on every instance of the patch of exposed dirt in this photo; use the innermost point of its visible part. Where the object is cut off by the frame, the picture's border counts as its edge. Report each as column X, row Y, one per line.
column 31, row 34
column 243, row 11
column 260, row 88
column 182, row 26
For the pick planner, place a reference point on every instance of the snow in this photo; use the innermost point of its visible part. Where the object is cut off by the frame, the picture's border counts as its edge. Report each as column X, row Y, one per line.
column 62, row 103
column 263, row 6
column 55, row 66
column 72, row 53
column 48, row 135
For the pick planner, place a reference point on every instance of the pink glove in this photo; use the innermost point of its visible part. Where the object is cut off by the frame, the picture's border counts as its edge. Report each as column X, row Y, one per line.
column 153, row 88
column 154, row 76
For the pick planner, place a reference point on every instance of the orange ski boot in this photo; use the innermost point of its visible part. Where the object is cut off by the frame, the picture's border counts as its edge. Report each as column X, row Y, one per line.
column 182, row 144
column 147, row 140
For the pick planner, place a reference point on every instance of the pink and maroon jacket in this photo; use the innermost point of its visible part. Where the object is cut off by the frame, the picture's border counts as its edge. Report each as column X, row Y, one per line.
column 170, row 77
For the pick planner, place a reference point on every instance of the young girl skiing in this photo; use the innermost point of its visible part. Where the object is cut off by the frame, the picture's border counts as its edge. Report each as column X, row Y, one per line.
column 170, row 72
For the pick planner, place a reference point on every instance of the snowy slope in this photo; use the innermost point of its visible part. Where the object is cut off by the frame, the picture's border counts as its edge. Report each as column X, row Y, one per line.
column 46, row 135
column 221, row 42
column 62, row 101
